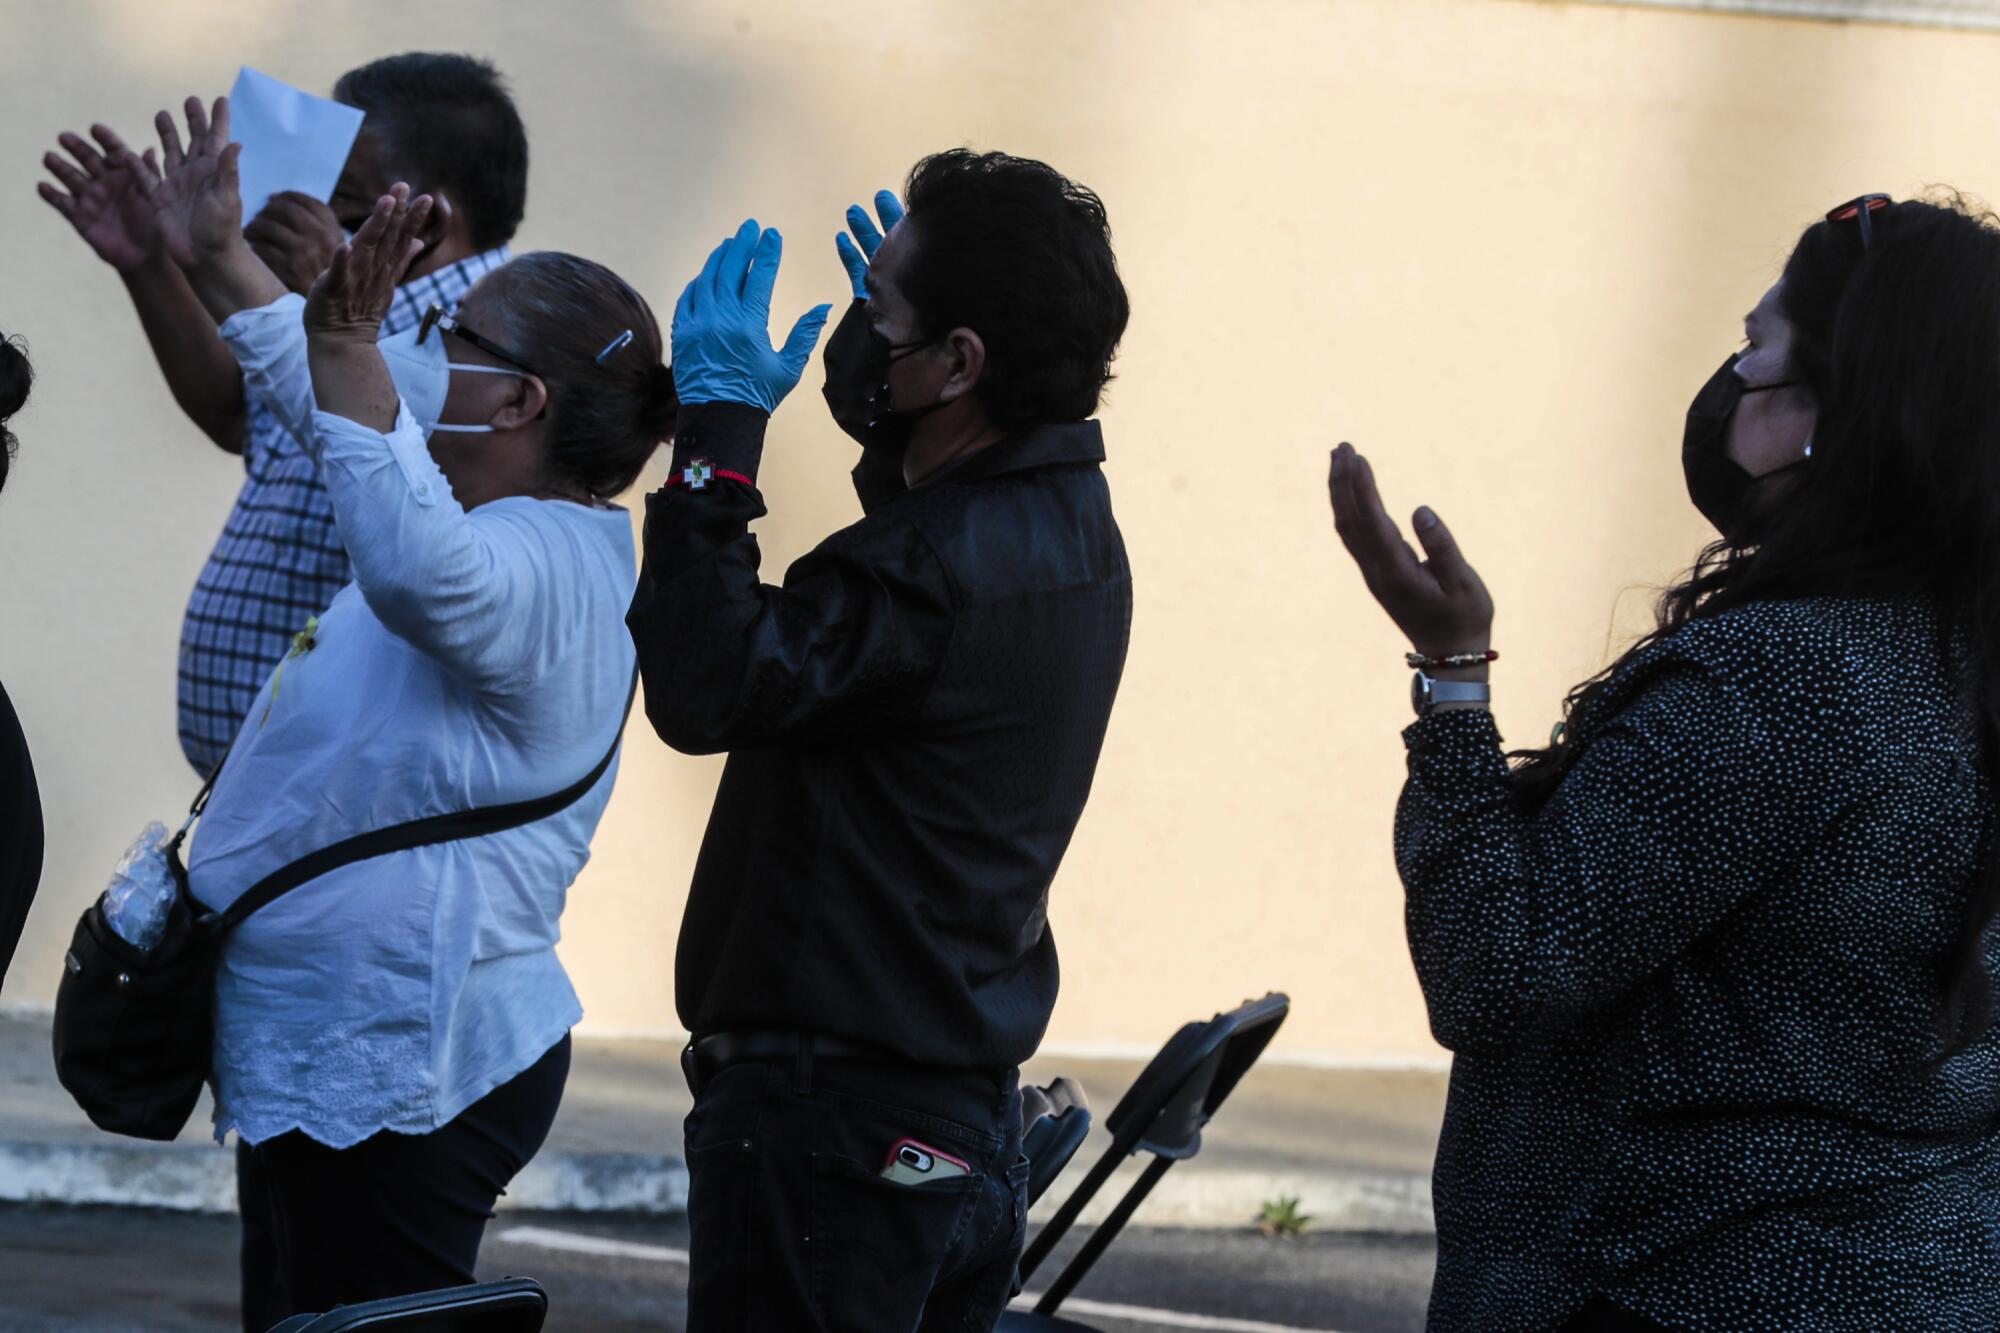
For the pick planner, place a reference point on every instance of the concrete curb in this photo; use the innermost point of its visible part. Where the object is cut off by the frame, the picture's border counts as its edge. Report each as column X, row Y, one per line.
column 188, row 1178
column 1335, row 1201
column 203, row 1179
column 133, row 1175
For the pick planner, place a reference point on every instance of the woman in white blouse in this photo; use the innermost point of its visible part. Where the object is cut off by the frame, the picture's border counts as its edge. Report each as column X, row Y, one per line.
column 392, row 1037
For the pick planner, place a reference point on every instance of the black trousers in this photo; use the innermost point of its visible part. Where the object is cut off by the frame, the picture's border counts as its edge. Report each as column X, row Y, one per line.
column 392, row 1215
column 793, row 1226
column 265, row 1303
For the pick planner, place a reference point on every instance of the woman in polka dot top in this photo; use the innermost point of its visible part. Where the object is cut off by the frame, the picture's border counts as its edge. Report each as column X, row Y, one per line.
column 1713, row 963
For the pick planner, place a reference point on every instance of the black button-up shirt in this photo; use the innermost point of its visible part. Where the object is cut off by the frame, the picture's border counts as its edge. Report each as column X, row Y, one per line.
column 913, row 721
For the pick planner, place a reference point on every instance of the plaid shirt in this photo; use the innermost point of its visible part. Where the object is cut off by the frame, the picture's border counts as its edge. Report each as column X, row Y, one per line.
column 279, row 559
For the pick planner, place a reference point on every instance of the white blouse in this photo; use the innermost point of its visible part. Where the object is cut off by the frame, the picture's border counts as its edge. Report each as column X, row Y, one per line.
column 478, row 657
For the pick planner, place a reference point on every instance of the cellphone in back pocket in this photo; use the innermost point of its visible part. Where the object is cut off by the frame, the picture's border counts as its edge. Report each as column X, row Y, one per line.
column 914, row 1163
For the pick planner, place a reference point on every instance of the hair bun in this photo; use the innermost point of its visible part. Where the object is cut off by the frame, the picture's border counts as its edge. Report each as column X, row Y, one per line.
column 16, row 377
column 660, row 383
column 663, row 402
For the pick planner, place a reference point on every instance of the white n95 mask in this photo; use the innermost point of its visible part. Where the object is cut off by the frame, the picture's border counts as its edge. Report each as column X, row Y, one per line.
column 422, row 376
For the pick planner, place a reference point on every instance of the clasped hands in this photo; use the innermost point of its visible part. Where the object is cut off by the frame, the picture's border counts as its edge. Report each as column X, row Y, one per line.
column 186, row 203
column 722, row 352
column 722, row 345
column 126, row 205
column 101, row 189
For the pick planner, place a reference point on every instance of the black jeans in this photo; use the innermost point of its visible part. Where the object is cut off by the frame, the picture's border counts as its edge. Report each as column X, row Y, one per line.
column 395, row 1213
column 793, row 1227
column 263, row 1283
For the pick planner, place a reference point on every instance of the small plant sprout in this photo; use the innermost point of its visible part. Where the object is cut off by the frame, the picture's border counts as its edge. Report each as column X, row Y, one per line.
column 1281, row 1218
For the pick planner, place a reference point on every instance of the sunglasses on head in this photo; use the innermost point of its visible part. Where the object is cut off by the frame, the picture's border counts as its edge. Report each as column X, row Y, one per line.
column 1861, row 210
column 437, row 318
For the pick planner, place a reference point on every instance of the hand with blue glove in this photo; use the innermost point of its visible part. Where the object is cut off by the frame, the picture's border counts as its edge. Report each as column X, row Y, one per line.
column 722, row 327
column 856, row 258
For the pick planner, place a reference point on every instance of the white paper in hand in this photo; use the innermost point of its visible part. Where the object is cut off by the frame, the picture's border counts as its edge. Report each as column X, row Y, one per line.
column 291, row 139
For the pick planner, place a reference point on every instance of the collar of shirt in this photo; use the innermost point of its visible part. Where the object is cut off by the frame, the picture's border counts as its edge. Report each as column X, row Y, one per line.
column 878, row 476
column 1065, row 443
column 446, row 287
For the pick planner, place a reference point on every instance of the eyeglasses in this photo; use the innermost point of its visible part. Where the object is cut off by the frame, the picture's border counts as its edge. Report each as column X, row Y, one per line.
column 1859, row 210
column 436, row 318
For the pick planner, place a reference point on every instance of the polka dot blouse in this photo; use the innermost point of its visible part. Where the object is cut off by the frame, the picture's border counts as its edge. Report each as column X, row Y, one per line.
column 1691, row 995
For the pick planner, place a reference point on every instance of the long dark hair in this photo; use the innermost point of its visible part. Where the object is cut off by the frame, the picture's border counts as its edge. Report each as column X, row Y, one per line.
column 1899, row 343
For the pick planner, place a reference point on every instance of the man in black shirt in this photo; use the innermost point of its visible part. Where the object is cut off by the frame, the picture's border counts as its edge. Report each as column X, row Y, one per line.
column 913, row 721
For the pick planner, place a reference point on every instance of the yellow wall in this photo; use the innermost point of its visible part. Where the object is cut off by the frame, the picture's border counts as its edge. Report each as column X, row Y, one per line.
column 1496, row 243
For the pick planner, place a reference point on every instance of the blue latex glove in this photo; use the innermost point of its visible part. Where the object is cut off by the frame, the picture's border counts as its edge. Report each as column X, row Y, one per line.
column 722, row 327
column 855, row 259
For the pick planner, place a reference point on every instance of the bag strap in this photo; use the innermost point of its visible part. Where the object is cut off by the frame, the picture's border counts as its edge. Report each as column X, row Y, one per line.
column 422, row 832
column 200, row 800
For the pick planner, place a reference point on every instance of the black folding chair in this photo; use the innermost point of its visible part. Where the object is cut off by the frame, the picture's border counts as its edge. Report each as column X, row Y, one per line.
column 1163, row 1113
column 1054, row 1123
column 512, row 1305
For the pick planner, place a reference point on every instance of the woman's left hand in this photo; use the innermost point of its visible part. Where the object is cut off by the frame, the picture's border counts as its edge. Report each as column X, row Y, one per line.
column 350, row 299
column 1440, row 602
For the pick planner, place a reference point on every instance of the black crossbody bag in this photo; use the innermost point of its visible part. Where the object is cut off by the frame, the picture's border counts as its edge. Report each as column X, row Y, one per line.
column 135, row 1029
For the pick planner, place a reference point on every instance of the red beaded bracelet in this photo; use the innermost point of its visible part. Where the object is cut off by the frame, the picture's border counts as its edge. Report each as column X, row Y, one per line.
column 1421, row 662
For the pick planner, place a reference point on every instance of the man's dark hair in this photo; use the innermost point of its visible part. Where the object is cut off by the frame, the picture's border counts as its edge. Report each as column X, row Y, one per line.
column 446, row 122
column 1021, row 255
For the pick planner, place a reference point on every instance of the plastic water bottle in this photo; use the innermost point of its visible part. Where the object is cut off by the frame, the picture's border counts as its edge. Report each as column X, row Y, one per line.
column 142, row 890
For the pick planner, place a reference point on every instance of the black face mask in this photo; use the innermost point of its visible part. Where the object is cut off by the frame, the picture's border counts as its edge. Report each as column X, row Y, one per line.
column 1719, row 486
column 857, row 361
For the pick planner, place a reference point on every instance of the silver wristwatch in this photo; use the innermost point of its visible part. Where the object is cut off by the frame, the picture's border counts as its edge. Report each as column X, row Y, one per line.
column 1426, row 693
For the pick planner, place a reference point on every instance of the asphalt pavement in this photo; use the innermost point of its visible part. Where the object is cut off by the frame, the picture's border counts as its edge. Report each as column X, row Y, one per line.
column 598, row 1217
column 123, row 1270
column 1355, row 1145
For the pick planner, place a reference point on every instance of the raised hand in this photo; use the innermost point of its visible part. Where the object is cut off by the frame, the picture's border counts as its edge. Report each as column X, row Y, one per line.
column 722, row 327
column 856, row 258
column 196, row 202
column 351, row 298
column 1440, row 602
column 295, row 236
column 102, row 197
